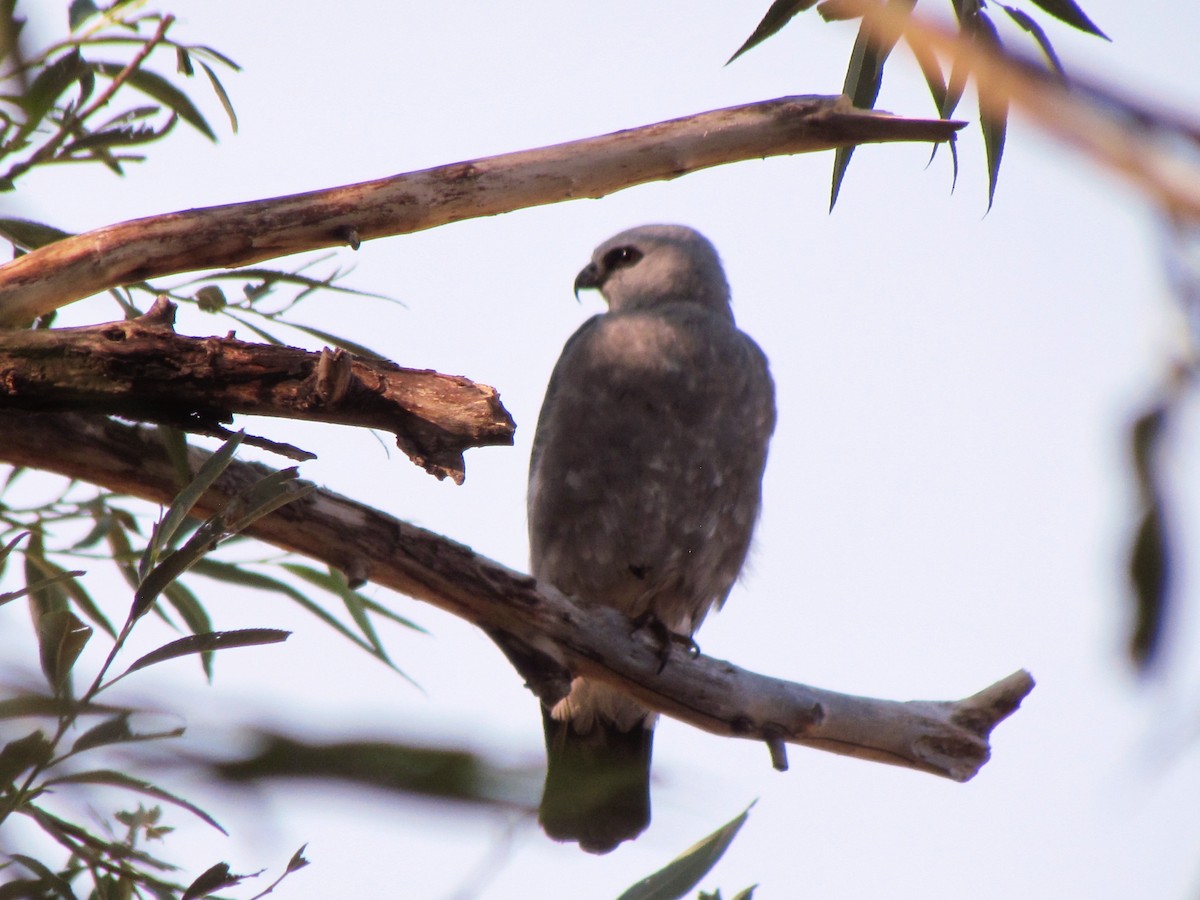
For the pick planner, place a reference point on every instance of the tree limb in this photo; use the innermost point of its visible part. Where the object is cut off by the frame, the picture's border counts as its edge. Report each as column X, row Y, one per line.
column 241, row 233
column 141, row 369
column 943, row 738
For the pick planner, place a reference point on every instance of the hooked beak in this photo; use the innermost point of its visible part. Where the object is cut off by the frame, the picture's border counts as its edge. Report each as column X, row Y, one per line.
column 589, row 277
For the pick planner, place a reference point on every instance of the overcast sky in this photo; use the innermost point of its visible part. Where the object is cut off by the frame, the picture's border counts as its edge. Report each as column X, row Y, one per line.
column 946, row 499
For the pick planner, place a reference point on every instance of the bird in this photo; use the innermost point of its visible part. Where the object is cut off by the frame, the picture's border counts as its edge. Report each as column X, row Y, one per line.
column 645, row 484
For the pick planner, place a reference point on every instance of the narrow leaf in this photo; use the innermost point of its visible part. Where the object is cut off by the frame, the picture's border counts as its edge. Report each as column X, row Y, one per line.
column 121, row 780
column 1068, row 11
column 154, row 85
column 779, row 14
column 50, row 84
column 993, row 109
column 1028, row 23
column 61, row 638
column 195, row 616
column 164, row 533
column 864, row 75
column 214, row 640
column 684, row 872
column 219, row 89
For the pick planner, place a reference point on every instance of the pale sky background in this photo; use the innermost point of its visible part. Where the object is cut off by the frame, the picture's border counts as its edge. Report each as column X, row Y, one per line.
column 946, row 499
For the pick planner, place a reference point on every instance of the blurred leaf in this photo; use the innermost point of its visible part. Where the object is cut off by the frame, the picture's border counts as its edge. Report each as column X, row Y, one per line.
column 779, row 14
column 47, row 87
column 1028, row 23
column 69, row 582
column 79, row 12
column 864, row 75
column 30, row 235
column 684, row 872
column 121, row 780
column 433, row 772
column 214, row 640
column 1150, row 556
column 61, row 638
column 154, row 85
column 219, row 89
column 210, row 298
column 212, row 880
column 22, row 754
column 298, row 861
column 45, row 593
column 47, row 881
column 1068, row 11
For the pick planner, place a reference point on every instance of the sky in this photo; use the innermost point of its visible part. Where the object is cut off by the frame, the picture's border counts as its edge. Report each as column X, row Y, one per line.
column 947, row 497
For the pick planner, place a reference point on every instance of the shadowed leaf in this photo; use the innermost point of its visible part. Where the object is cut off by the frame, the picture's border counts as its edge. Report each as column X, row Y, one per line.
column 61, row 638
column 778, row 15
column 1150, row 556
column 212, row 880
column 154, row 85
column 1028, row 23
column 1068, row 11
column 22, row 754
column 30, row 235
column 446, row 774
column 684, row 872
column 215, row 640
column 864, row 75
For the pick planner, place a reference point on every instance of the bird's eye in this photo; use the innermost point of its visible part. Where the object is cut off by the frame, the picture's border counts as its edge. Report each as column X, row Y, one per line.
column 619, row 257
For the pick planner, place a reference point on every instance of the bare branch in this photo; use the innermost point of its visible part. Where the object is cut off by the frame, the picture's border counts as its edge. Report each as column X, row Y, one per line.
column 141, row 369
column 944, row 738
column 243, row 233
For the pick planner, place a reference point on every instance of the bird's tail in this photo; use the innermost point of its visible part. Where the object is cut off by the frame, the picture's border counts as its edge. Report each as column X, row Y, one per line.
column 597, row 784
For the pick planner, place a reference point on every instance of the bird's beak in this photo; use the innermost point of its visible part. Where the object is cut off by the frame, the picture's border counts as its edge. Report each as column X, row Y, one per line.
column 589, row 277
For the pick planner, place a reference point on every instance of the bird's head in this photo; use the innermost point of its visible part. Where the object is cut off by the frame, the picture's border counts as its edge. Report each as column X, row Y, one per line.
column 655, row 264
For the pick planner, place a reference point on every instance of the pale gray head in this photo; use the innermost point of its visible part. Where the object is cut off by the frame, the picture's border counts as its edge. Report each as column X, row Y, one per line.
column 655, row 264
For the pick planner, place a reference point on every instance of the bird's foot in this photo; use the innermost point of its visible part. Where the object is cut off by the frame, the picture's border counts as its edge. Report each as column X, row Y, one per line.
column 664, row 637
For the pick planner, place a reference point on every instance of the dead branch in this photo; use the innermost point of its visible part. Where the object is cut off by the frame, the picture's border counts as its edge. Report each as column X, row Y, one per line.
column 944, row 738
column 141, row 369
column 242, row 233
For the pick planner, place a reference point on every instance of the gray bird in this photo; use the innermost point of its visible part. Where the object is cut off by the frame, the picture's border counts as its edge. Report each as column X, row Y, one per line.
column 644, row 486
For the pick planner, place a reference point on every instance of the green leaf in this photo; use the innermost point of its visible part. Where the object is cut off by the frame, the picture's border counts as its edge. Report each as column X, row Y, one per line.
column 779, row 14
column 154, row 85
column 219, row 89
column 1068, row 11
column 30, row 235
column 194, row 616
column 215, row 640
column 684, row 872
column 864, row 76
column 61, row 638
column 164, row 532
column 50, row 84
column 222, row 571
column 121, row 780
column 1030, row 25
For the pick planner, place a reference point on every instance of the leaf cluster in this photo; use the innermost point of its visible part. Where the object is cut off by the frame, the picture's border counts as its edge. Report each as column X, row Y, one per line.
column 872, row 47
column 92, row 97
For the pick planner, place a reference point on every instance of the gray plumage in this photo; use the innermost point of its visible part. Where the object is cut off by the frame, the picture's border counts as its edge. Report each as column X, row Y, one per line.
column 644, row 487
